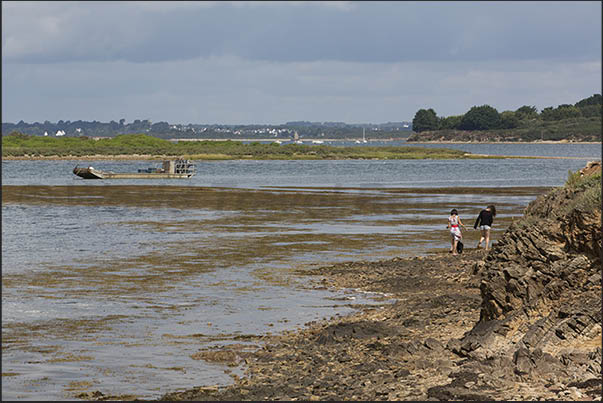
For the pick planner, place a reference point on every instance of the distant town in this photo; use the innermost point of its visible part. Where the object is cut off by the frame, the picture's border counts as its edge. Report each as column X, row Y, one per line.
column 165, row 130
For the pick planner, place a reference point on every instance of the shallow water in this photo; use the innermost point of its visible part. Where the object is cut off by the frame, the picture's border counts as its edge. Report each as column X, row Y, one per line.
column 343, row 173
column 114, row 285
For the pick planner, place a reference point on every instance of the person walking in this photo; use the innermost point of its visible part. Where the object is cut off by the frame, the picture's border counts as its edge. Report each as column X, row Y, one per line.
column 454, row 224
column 484, row 221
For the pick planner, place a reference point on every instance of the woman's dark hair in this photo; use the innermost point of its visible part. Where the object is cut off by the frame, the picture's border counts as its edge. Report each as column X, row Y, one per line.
column 492, row 209
column 454, row 212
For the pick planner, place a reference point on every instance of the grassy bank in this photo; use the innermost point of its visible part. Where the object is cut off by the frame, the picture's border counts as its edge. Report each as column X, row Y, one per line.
column 19, row 145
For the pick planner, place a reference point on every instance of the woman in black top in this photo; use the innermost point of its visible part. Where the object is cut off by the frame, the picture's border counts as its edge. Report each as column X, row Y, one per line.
column 484, row 220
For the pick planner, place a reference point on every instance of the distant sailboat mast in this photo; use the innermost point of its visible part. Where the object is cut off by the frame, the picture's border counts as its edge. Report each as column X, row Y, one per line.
column 363, row 137
column 296, row 138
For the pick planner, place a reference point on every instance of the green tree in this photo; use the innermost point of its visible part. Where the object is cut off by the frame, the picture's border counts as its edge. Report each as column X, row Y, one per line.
column 568, row 111
column 451, row 122
column 526, row 112
column 482, row 117
column 509, row 120
column 564, row 111
column 548, row 113
column 425, row 119
column 593, row 100
column 589, row 111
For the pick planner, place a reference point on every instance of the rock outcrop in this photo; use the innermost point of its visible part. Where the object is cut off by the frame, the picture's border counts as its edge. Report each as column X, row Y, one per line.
column 540, row 316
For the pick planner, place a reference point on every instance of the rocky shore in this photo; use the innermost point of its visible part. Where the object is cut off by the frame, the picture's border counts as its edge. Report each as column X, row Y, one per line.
column 522, row 322
column 585, row 134
column 519, row 322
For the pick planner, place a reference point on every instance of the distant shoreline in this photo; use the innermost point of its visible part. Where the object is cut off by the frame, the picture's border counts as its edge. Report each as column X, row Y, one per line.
column 401, row 139
column 505, row 142
column 123, row 148
column 136, row 157
column 125, row 157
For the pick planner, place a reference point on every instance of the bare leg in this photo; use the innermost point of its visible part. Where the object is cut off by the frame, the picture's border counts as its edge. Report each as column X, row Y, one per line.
column 454, row 243
column 483, row 237
column 487, row 239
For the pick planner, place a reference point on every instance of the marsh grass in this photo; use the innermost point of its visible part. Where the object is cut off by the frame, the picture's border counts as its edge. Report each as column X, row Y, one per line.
column 143, row 145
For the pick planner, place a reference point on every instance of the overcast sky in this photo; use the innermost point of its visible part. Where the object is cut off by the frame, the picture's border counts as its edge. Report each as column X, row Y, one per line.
column 273, row 62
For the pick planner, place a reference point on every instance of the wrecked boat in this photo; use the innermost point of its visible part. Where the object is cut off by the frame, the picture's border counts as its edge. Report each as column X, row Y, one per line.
column 171, row 169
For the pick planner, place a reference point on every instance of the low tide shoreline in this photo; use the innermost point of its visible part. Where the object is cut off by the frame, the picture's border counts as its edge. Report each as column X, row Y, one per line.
column 381, row 352
column 393, row 351
column 399, row 351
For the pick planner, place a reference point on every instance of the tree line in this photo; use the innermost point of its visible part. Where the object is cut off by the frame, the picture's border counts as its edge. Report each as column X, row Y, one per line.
column 486, row 117
column 165, row 130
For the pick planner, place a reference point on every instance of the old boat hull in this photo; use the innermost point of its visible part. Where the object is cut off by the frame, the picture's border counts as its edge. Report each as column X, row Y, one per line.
column 179, row 169
column 91, row 173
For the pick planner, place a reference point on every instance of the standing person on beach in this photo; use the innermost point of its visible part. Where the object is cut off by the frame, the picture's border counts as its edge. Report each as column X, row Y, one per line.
column 454, row 223
column 484, row 220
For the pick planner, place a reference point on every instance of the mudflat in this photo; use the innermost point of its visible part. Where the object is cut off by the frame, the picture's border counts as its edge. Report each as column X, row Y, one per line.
column 388, row 352
column 399, row 351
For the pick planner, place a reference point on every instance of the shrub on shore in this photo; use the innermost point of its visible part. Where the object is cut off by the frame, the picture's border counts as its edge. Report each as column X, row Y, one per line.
column 574, row 129
column 588, row 190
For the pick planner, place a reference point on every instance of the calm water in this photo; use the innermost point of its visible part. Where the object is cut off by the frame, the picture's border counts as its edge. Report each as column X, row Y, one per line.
column 398, row 173
column 119, row 295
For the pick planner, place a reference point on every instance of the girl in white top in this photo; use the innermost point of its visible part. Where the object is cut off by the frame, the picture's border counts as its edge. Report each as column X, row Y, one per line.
column 455, row 224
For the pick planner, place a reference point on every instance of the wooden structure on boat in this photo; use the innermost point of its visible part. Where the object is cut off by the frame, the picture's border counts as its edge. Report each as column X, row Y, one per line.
column 172, row 169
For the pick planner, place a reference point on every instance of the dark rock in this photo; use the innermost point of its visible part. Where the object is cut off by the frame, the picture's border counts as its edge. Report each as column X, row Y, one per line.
column 433, row 344
column 360, row 330
column 454, row 345
column 457, row 389
column 410, row 322
column 522, row 361
column 589, row 383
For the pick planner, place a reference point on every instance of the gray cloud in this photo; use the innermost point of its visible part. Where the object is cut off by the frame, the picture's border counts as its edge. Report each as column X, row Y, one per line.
column 235, row 90
column 358, row 32
column 270, row 62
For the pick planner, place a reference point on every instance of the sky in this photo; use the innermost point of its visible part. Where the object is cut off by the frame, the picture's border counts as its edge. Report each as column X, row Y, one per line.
column 274, row 62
